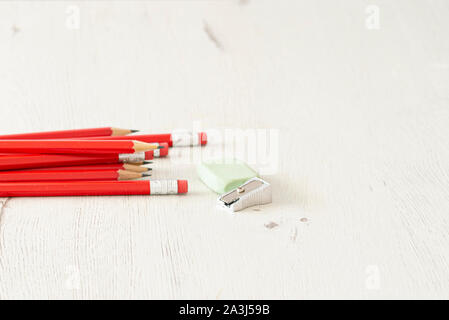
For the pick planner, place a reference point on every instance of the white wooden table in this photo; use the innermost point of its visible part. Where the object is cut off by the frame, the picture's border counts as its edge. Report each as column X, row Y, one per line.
column 357, row 90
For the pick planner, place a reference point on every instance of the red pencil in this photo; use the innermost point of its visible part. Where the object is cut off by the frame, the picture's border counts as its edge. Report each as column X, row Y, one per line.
column 96, row 167
column 181, row 139
column 78, row 133
column 74, row 146
column 149, row 155
column 27, row 161
column 92, row 188
column 147, row 138
column 69, row 175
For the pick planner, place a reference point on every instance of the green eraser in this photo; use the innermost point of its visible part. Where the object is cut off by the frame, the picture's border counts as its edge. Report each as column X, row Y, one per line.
column 225, row 175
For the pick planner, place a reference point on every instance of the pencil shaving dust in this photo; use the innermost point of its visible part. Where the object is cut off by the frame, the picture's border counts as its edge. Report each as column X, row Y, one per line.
column 15, row 29
column 271, row 225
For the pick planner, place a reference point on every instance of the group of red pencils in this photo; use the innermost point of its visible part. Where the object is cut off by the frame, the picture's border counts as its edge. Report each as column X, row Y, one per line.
column 100, row 161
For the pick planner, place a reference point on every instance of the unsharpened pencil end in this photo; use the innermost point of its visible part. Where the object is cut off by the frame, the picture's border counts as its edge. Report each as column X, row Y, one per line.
column 164, row 151
column 203, row 138
column 183, row 186
column 149, row 155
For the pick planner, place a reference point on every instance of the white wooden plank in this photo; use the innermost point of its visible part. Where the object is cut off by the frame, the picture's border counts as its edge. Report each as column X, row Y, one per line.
column 360, row 194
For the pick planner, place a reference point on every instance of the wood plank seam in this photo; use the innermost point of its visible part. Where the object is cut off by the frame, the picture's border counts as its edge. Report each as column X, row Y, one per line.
column 4, row 203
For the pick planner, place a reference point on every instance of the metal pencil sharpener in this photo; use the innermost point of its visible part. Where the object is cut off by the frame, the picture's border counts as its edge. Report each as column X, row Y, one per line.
column 252, row 193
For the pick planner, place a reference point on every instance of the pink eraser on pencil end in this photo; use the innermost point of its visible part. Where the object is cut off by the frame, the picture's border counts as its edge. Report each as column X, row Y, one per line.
column 149, row 155
column 183, row 186
column 164, row 151
column 203, row 138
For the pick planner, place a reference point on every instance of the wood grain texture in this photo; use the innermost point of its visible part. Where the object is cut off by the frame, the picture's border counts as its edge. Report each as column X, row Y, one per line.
column 361, row 189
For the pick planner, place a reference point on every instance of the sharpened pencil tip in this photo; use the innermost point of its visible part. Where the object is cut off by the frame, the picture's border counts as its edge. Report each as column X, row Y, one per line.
column 146, row 174
column 147, row 162
column 161, row 147
column 134, row 131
